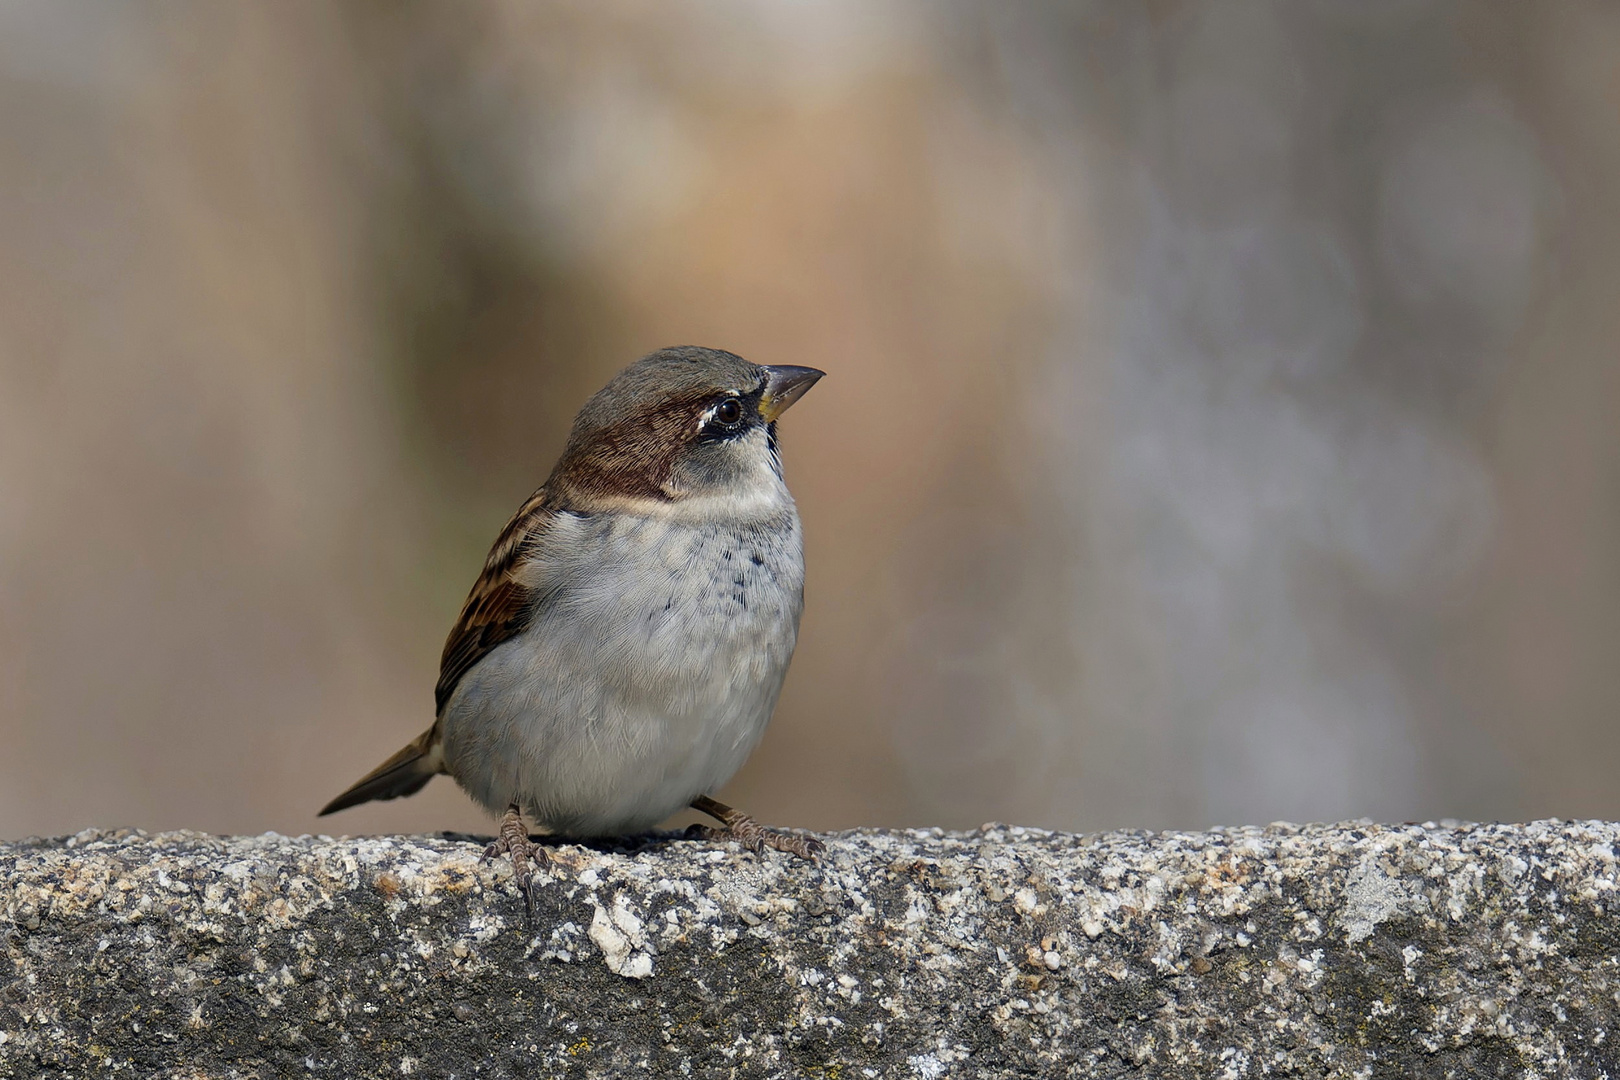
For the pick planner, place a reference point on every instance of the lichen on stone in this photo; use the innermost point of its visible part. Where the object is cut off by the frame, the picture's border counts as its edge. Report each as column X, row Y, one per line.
column 1325, row 951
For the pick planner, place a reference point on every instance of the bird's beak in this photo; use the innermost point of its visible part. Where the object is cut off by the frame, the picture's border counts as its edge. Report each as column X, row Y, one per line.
column 785, row 384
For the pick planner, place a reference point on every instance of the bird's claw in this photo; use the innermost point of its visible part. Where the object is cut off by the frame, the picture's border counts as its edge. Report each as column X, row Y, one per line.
column 756, row 838
column 512, row 840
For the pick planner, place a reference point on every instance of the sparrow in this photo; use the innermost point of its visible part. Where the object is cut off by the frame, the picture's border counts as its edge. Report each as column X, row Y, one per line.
column 622, row 651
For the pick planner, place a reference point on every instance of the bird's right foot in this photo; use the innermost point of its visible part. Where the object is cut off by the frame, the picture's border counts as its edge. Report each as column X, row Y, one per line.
column 750, row 833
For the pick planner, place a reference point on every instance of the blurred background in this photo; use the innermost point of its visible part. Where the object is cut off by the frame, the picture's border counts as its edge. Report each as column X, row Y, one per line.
column 1223, row 419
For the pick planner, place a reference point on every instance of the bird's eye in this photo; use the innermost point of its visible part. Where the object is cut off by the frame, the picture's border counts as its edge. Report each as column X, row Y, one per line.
column 729, row 411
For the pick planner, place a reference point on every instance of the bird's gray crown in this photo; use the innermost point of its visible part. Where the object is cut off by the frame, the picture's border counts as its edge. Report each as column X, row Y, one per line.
column 681, row 373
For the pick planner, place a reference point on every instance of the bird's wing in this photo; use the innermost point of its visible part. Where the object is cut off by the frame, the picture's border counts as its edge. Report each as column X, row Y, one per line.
column 500, row 605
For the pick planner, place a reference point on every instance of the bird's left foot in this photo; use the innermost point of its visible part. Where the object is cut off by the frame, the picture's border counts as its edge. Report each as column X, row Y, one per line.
column 750, row 833
column 512, row 840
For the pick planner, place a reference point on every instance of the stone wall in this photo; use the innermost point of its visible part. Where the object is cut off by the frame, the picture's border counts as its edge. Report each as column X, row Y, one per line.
column 1339, row 951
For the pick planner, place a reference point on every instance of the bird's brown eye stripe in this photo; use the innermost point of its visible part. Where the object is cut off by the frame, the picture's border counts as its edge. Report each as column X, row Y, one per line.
column 728, row 411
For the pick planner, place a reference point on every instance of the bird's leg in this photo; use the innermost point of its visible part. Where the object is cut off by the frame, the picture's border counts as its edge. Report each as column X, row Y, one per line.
column 750, row 833
column 512, row 840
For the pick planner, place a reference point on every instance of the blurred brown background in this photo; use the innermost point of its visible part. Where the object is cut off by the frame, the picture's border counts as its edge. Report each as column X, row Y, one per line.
column 1223, row 422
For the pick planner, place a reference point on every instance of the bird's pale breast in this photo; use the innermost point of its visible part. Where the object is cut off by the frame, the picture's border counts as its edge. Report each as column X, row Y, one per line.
column 647, row 676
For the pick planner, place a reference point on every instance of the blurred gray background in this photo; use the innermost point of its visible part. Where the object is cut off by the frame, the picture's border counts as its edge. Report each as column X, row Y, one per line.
column 1223, row 420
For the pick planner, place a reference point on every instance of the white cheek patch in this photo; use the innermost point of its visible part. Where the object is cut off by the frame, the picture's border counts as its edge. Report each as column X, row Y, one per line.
column 756, row 494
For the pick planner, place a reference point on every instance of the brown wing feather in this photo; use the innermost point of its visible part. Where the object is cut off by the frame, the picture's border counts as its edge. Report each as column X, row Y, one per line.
column 499, row 606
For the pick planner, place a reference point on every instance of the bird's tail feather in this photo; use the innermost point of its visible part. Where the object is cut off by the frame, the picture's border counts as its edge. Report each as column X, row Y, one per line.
column 403, row 774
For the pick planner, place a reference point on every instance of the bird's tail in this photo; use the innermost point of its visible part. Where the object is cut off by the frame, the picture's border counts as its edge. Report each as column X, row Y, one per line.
column 403, row 774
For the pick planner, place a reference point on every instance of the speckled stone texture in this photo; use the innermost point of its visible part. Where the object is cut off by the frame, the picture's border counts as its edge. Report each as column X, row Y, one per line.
column 1320, row 951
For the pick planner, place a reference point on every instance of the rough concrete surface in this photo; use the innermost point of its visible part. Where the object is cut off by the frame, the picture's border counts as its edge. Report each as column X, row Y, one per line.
column 1322, row 951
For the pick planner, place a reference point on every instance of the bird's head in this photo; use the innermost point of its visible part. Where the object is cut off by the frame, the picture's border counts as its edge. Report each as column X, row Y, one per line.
column 684, row 432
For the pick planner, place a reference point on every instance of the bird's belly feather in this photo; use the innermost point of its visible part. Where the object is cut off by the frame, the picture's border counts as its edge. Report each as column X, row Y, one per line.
column 647, row 676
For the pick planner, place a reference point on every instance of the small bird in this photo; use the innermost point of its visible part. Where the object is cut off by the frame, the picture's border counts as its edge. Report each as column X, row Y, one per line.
column 623, row 649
